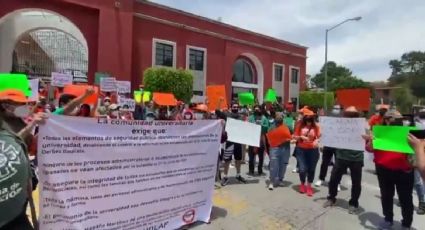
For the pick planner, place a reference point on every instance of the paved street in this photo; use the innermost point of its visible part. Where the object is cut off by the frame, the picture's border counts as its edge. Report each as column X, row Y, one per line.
column 253, row 206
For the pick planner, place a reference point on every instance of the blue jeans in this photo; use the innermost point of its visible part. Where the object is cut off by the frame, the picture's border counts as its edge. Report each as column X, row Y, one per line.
column 419, row 186
column 307, row 161
column 279, row 158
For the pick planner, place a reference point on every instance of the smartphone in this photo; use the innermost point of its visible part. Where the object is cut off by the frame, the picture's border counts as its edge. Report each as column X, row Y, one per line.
column 420, row 134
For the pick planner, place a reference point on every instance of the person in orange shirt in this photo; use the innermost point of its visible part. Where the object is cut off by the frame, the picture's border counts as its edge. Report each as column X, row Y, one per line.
column 307, row 135
column 378, row 119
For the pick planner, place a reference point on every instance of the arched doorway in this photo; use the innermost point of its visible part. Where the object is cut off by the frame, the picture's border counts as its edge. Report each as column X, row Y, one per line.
column 38, row 42
column 247, row 76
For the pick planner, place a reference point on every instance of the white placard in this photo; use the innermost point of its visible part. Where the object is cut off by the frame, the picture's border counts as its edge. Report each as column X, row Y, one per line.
column 61, row 79
column 107, row 84
column 343, row 133
column 123, row 86
column 127, row 104
column 243, row 132
column 34, row 83
column 116, row 174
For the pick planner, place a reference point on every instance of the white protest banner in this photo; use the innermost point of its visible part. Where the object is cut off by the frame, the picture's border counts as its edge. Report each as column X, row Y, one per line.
column 117, row 174
column 343, row 133
column 123, row 86
column 127, row 104
column 107, row 84
column 61, row 79
column 243, row 132
column 34, row 83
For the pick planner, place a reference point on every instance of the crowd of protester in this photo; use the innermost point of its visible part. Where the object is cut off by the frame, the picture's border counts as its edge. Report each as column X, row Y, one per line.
column 395, row 171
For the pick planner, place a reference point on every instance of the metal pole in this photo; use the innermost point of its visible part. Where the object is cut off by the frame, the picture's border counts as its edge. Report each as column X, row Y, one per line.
column 325, row 106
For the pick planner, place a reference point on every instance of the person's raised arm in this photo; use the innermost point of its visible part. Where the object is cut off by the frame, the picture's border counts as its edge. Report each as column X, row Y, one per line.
column 38, row 118
column 69, row 108
column 419, row 147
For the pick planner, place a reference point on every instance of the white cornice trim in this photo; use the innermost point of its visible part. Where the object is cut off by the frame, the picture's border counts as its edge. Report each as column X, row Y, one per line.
column 217, row 35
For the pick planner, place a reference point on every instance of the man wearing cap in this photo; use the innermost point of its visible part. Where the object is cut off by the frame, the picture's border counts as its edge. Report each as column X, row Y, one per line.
column 231, row 149
column 353, row 160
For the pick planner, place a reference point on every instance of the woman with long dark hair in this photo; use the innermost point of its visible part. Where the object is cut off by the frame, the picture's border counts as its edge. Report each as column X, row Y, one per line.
column 307, row 135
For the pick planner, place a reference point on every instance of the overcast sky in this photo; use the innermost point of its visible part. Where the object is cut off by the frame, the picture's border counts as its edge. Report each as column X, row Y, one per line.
column 388, row 28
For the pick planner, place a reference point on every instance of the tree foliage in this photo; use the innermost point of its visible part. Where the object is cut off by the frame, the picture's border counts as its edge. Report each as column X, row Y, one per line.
column 339, row 77
column 403, row 99
column 316, row 99
column 409, row 71
column 168, row 80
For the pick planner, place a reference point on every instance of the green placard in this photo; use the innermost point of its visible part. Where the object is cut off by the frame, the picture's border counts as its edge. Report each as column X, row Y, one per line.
column 392, row 138
column 246, row 98
column 15, row 81
column 271, row 96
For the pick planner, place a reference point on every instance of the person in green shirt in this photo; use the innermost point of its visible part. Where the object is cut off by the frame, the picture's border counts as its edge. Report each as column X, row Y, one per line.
column 258, row 118
column 352, row 159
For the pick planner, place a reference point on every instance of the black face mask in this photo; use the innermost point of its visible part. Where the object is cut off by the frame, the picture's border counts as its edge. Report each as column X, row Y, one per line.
column 257, row 113
column 235, row 110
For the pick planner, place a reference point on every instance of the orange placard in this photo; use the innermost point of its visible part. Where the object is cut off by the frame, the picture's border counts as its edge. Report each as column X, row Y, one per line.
column 164, row 99
column 278, row 136
column 78, row 90
column 360, row 98
column 214, row 93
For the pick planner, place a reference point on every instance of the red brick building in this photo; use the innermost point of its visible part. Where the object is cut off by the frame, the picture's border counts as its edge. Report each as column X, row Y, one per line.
column 124, row 37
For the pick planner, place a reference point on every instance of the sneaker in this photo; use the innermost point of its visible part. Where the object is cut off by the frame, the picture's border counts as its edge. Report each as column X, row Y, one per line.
column 241, row 179
column 271, row 187
column 309, row 190
column 329, row 203
column 339, row 188
column 302, row 188
column 385, row 225
column 295, row 171
column 224, row 181
column 352, row 209
column 421, row 208
column 318, row 183
column 281, row 184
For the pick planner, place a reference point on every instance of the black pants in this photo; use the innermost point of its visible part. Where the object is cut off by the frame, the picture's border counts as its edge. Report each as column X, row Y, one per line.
column 389, row 181
column 19, row 223
column 327, row 156
column 252, row 155
column 338, row 171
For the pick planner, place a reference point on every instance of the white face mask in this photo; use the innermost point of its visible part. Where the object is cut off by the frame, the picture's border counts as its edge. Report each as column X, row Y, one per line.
column 22, row 111
column 150, row 118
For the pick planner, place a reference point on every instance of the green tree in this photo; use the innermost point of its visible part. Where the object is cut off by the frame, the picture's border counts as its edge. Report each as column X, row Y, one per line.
column 316, row 99
column 403, row 99
column 409, row 71
column 168, row 80
column 339, row 77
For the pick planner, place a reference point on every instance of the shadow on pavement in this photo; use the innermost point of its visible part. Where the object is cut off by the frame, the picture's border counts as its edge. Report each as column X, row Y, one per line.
column 233, row 180
column 216, row 213
column 370, row 220
column 341, row 204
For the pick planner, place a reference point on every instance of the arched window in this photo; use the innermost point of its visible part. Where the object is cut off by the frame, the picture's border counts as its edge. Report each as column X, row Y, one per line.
column 243, row 72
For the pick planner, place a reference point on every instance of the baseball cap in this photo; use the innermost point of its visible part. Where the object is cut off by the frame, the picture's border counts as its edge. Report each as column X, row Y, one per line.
column 13, row 95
